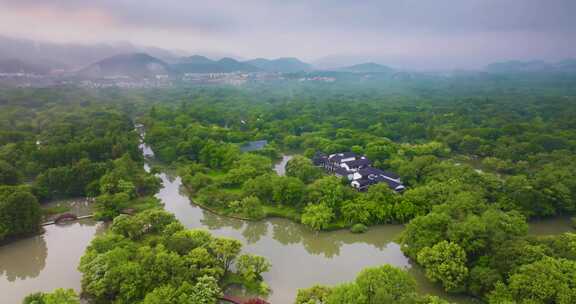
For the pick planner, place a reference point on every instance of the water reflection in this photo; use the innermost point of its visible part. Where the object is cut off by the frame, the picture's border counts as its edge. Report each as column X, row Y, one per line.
column 215, row 222
column 253, row 232
column 286, row 234
column 13, row 267
column 45, row 262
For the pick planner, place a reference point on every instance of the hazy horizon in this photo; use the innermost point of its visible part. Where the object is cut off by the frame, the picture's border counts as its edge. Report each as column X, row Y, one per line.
column 406, row 34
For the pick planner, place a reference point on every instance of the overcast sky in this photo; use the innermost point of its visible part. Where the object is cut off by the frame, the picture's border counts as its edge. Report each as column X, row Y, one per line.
column 402, row 33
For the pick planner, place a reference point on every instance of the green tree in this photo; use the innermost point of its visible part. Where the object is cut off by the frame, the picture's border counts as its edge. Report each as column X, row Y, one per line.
column 58, row 296
column 424, row 231
column 445, row 262
column 548, row 280
column 288, row 191
column 317, row 216
column 205, row 291
column 328, row 190
column 316, row 294
column 8, row 174
column 19, row 214
column 386, row 284
column 303, row 169
column 249, row 206
column 251, row 266
column 356, row 211
column 225, row 251
column 108, row 206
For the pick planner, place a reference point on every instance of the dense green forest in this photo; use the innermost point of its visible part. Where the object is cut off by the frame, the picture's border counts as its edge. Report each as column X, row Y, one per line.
column 479, row 158
column 56, row 145
column 477, row 167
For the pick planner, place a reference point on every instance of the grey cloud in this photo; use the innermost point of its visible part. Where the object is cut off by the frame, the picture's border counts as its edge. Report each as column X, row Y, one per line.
column 414, row 29
column 441, row 15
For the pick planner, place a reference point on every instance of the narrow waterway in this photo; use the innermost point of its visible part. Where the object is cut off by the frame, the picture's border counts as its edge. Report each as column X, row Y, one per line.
column 280, row 167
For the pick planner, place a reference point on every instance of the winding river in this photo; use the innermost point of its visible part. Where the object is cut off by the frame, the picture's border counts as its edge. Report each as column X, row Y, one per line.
column 300, row 257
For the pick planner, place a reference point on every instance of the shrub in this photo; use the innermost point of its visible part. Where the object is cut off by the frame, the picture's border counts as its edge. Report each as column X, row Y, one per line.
column 359, row 228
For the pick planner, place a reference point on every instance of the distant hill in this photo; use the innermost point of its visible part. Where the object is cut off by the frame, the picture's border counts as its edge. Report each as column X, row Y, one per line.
column 196, row 59
column 515, row 66
column 282, row 65
column 536, row 66
column 72, row 56
column 200, row 64
column 19, row 66
column 369, row 67
column 568, row 65
column 134, row 65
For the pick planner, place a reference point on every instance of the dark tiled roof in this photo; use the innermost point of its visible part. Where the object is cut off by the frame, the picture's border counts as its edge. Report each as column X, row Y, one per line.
column 339, row 156
column 370, row 171
column 392, row 184
column 373, row 171
column 358, row 163
column 341, row 171
column 391, row 174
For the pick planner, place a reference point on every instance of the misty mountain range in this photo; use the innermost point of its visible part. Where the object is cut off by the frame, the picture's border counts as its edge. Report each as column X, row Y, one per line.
column 104, row 60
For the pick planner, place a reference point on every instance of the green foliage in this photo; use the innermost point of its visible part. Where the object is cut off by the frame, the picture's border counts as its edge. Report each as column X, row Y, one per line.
column 287, row 191
column 8, row 174
column 303, row 169
column 225, row 251
column 359, row 228
column 70, row 181
column 205, row 291
column 445, row 262
column 328, row 190
column 477, row 155
column 58, row 296
column 384, row 284
column 251, row 267
column 108, row 206
column 317, row 216
column 356, row 211
column 250, row 207
column 20, row 213
column 548, row 280
column 316, row 294
column 151, row 258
